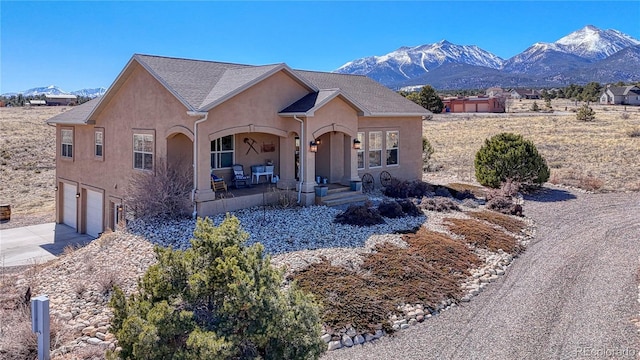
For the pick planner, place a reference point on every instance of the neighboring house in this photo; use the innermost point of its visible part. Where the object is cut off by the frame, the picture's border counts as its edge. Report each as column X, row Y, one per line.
column 620, row 95
column 472, row 104
column 494, row 91
column 61, row 100
column 525, row 94
column 37, row 102
column 207, row 116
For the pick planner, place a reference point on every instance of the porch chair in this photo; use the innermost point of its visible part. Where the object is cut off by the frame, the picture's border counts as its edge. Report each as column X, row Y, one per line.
column 217, row 183
column 239, row 177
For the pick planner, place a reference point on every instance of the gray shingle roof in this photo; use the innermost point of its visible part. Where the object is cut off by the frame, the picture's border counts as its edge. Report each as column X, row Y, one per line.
column 201, row 85
column 373, row 96
column 77, row 115
column 622, row 90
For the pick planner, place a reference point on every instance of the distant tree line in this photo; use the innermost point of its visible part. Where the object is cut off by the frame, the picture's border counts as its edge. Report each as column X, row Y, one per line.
column 21, row 100
column 589, row 92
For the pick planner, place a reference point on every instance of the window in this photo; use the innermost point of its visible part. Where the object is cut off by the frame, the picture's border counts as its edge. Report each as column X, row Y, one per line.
column 67, row 143
column 361, row 151
column 392, row 148
column 375, row 149
column 99, row 139
column 143, row 151
column 222, row 152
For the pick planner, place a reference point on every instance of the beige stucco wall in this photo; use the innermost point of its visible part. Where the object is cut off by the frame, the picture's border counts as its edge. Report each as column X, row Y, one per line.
column 410, row 146
column 140, row 105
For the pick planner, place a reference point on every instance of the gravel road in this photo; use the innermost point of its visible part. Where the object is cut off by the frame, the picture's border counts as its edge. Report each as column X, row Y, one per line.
column 572, row 294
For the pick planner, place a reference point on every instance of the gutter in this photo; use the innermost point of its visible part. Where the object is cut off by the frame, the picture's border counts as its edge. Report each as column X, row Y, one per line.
column 302, row 158
column 204, row 116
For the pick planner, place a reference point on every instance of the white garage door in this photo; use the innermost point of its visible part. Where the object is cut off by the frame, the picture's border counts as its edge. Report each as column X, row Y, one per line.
column 94, row 213
column 69, row 208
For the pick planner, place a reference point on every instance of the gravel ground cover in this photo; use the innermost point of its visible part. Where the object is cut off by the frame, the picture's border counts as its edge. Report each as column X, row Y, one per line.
column 280, row 230
column 572, row 294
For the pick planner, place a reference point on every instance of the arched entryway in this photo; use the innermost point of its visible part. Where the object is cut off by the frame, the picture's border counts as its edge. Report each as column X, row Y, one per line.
column 334, row 158
column 180, row 153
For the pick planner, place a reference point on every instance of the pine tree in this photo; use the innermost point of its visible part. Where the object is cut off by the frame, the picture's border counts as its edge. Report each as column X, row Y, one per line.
column 217, row 300
column 427, row 98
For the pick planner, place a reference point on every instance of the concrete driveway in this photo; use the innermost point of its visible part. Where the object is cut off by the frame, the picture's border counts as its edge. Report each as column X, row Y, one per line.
column 37, row 243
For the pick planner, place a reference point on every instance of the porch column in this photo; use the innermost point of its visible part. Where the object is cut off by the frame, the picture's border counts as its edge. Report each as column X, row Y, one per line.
column 308, row 196
column 203, row 185
column 350, row 161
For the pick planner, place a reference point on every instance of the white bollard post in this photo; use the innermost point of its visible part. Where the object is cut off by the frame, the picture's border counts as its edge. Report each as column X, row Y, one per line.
column 40, row 324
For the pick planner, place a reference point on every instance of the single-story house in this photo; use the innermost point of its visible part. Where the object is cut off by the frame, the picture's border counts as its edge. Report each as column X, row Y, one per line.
column 61, row 100
column 620, row 95
column 208, row 116
column 525, row 94
column 474, row 104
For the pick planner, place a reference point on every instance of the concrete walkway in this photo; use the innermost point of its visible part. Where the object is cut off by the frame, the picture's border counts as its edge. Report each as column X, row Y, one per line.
column 37, row 244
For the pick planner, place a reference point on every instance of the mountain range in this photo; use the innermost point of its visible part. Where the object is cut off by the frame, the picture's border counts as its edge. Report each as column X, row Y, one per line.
column 588, row 54
column 585, row 55
column 54, row 90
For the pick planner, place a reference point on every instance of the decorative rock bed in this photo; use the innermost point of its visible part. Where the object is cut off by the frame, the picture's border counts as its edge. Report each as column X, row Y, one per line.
column 295, row 237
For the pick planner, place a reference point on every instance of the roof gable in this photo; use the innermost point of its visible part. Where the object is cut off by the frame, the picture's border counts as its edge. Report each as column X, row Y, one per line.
column 310, row 103
column 234, row 81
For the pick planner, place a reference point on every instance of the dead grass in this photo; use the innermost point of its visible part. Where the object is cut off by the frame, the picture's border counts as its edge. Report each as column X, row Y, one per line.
column 477, row 191
column 428, row 271
column 27, row 163
column 482, row 235
column 509, row 223
column 573, row 149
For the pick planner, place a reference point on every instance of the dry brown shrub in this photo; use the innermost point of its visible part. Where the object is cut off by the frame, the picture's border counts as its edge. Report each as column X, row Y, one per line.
column 164, row 193
column 633, row 132
column 439, row 204
column 509, row 223
column 428, row 271
column 590, row 183
column 482, row 235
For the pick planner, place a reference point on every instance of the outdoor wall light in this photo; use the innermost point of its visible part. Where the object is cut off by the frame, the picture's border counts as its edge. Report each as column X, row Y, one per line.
column 318, row 141
column 77, row 195
column 357, row 144
column 313, row 146
column 55, row 188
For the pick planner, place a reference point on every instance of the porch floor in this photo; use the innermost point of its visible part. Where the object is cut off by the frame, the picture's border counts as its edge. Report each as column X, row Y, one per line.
column 262, row 188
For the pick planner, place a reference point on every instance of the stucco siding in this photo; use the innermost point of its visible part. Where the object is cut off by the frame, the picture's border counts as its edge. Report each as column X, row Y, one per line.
column 141, row 105
column 410, row 146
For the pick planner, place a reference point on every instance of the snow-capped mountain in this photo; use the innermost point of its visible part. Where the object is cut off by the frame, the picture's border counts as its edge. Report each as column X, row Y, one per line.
column 542, row 64
column 595, row 44
column 92, row 93
column 46, row 90
column 411, row 62
column 54, row 90
column 581, row 47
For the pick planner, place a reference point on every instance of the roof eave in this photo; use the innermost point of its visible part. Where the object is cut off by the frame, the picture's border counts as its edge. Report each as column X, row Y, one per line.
column 378, row 114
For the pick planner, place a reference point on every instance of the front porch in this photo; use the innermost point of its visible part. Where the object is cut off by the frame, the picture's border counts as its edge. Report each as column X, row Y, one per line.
column 279, row 195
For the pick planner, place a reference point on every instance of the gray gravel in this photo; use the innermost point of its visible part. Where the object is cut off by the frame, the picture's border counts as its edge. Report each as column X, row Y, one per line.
column 572, row 294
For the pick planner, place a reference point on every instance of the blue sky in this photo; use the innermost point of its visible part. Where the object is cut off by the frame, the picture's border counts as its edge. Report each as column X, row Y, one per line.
column 77, row 45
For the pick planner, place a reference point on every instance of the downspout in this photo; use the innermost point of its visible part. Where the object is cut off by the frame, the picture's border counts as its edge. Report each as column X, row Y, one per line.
column 204, row 115
column 302, row 158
